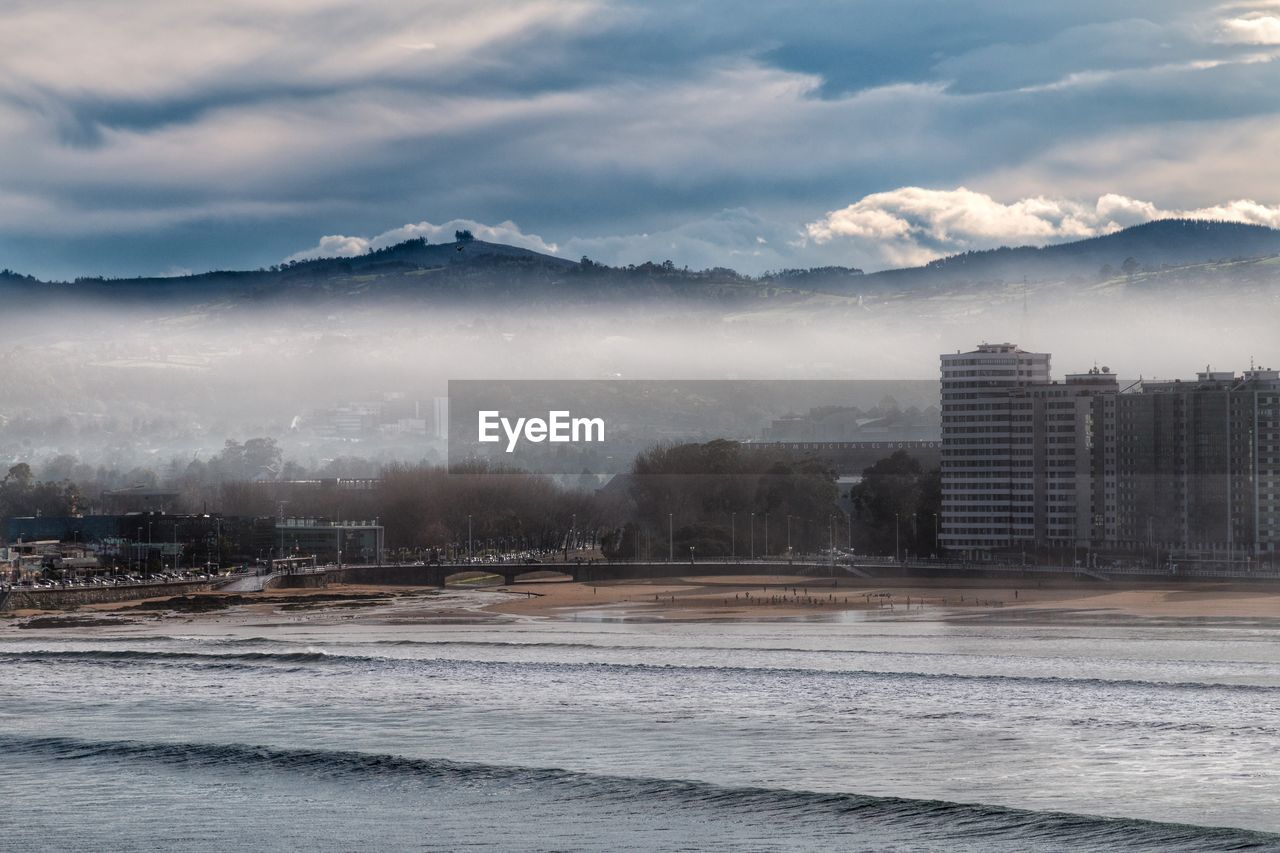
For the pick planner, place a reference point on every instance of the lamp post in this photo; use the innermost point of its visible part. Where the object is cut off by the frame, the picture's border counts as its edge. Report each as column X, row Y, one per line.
column 896, row 558
column 671, row 539
column 766, row 535
column 733, row 535
column 469, row 552
column 753, row 536
column 831, row 539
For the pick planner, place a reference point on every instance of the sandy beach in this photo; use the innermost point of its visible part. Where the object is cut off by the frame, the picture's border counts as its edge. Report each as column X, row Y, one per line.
column 788, row 597
column 691, row 599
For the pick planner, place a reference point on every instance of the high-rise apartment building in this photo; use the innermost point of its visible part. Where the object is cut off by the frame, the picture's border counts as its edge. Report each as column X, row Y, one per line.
column 1181, row 468
column 987, row 493
column 1199, row 466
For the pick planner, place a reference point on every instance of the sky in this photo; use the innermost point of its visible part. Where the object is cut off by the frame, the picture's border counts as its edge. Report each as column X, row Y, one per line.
column 146, row 137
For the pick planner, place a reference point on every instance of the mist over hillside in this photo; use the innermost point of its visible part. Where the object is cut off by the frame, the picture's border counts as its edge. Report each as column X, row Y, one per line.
column 135, row 372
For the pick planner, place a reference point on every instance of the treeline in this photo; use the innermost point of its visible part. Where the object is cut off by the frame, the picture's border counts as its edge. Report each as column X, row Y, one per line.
column 712, row 499
column 428, row 506
column 722, row 498
column 21, row 494
column 896, row 507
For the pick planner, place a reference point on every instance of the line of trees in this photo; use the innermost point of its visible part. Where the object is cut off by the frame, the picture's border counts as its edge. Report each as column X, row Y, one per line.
column 21, row 494
column 896, row 506
column 714, row 499
column 721, row 498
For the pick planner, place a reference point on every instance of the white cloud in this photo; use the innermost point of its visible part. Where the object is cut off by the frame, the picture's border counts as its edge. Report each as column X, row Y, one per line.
column 343, row 246
column 153, row 48
column 333, row 246
column 1256, row 28
column 912, row 225
column 1241, row 210
column 903, row 227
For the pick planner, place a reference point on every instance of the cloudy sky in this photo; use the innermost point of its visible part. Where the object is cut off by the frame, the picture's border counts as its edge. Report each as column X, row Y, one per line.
column 153, row 137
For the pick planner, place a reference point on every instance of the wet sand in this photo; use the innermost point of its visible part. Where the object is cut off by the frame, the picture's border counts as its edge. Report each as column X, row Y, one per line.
column 789, row 597
column 689, row 599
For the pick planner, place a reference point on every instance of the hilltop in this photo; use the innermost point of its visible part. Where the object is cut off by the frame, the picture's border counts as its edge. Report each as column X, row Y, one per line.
column 416, row 271
column 1148, row 247
column 1168, row 251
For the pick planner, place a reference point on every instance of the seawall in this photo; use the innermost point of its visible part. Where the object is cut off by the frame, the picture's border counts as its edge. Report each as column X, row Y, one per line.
column 66, row 599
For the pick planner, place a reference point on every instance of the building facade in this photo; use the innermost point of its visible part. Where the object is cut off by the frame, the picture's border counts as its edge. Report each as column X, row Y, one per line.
column 1190, row 470
column 1198, row 463
column 987, row 490
column 330, row 541
column 144, row 539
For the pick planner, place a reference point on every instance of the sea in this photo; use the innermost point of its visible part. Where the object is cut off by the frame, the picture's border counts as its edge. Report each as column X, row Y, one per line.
column 604, row 733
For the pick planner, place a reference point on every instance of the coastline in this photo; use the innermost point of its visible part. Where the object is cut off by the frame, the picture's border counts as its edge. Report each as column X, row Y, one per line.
column 689, row 599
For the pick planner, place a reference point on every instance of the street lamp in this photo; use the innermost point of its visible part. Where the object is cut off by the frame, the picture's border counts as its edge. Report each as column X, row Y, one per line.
column 671, row 540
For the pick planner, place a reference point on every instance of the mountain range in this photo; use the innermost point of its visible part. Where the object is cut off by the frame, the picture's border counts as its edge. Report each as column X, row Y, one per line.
column 1151, row 246
column 1167, row 251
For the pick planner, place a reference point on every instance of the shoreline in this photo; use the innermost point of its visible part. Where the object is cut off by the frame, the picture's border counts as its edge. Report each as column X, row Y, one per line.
column 691, row 599
column 769, row 598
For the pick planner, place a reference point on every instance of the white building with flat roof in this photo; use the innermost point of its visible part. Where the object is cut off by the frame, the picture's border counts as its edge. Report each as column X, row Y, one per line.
column 987, row 499
column 1019, row 465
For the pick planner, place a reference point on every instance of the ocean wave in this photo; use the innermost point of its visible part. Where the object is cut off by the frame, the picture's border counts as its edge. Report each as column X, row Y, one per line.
column 311, row 655
column 919, row 820
column 315, row 655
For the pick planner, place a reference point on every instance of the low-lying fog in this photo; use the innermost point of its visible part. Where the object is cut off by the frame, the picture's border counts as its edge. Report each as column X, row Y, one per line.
column 136, row 387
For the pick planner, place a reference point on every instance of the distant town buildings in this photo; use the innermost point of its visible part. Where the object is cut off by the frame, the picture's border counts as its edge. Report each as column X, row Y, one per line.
column 393, row 416
column 843, row 424
column 155, row 540
column 1186, row 469
column 140, row 498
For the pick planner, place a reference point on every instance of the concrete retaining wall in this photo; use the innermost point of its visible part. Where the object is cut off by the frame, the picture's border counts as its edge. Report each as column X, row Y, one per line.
column 64, row 599
column 387, row 575
column 314, row 581
column 634, row 571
